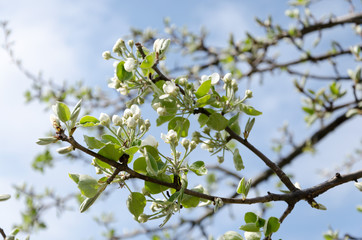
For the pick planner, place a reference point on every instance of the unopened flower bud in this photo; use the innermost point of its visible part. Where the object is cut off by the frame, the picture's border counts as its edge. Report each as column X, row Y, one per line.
column 130, row 43
column 248, row 94
column 227, row 78
column 185, row 143
column 65, row 150
column 196, row 137
column 147, row 123
column 193, row 145
column 106, row 55
column 206, row 130
column 46, row 140
column 220, row 159
column 104, row 119
column 117, row 120
column 143, row 218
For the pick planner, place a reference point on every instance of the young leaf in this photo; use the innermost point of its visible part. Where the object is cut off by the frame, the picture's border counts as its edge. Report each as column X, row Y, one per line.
column 217, row 122
column 111, row 151
column 93, row 143
column 154, row 188
column 4, row 197
column 250, row 227
column 149, row 61
column 74, row 177
column 238, row 161
column 271, row 226
column 139, row 165
column 122, row 74
column 203, row 89
column 250, row 217
column 180, row 125
column 249, row 110
column 88, row 121
column 62, row 111
column 136, row 203
column 199, row 168
column 88, row 185
column 152, row 167
column 89, row 201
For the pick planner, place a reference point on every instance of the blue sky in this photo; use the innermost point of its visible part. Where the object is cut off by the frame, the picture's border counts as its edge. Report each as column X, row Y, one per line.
column 65, row 40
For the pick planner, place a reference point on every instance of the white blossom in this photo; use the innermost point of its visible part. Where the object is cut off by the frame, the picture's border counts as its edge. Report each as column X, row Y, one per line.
column 215, row 77
column 117, row 120
column 170, row 89
column 130, row 64
column 150, row 141
column 161, row 111
column 131, row 122
column 170, row 137
column 104, row 119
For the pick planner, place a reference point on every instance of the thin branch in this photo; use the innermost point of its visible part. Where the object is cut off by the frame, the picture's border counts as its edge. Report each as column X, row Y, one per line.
column 2, row 233
column 314, row 139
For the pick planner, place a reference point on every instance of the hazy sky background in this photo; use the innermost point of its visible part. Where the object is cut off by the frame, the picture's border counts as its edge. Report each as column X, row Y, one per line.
column 65, row 40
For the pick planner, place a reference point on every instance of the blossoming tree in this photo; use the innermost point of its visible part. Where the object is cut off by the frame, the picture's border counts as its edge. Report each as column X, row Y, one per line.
column 125, row 150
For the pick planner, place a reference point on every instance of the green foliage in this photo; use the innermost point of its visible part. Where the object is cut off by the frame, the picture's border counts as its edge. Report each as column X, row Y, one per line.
column 136, row 202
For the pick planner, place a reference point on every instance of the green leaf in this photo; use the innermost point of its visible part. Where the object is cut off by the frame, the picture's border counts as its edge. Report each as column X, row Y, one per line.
column 180, row 125
column 4, row 197
column 149, row 61
column 122, row 74
column 189, row 201
column 154, row 188
column 234, row 124
column 318, row 206
column 271, row 226
column 162, row 119
column 203, row 100
column 139, row 165
column 111, row 151
column 62, row 111
column 241, row 187
column 250, row 227
column 217, row 122
column 249, row 110
column 74, row 177
column 110, row 139
column 136, row 203
column 203, row 89
column 238, row 161
column 202, row 119
column 199, row 168
column 231, row 235
column 131, row 151
column 87, row 185
column 93, row 143
column 152, row 167
column 250, row 217
column 88, row 121
column 89, row 201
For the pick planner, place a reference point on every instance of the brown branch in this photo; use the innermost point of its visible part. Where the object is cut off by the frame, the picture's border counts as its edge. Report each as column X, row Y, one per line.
column 350, row 18
column 2, row 233
column 298, row 61
column 315, row 138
